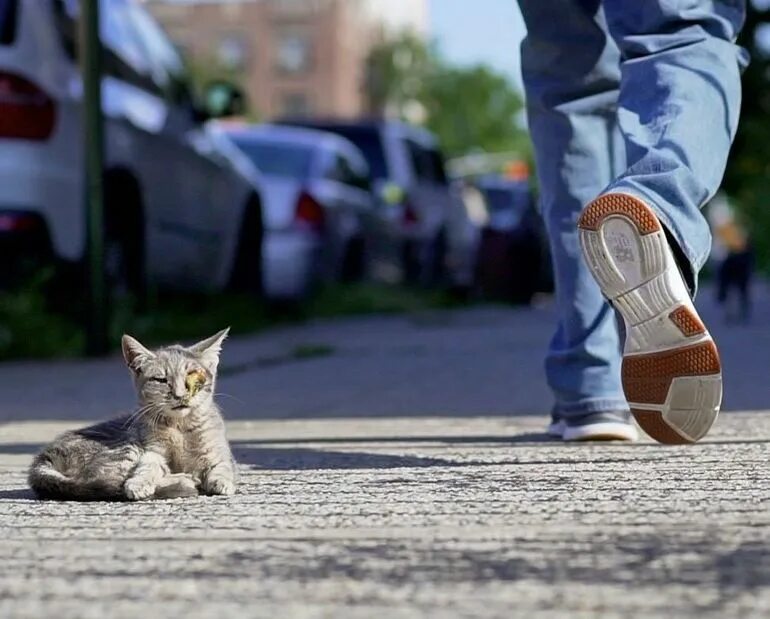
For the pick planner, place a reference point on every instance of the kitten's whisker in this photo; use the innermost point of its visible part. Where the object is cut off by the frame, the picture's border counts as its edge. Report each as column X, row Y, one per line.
column 227, row 395
column 131, row 419
column 143, row 412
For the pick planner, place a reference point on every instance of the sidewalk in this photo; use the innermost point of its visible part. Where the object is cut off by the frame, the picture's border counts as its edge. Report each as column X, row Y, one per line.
column 477, row 362
column 400, row 472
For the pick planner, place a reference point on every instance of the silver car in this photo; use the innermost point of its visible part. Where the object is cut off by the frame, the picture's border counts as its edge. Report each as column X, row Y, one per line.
column 424, row 234
column 317, row 206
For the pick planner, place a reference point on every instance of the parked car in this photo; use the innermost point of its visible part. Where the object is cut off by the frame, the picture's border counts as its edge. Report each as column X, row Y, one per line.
column 318, row 205
column 514, row 262
column 425, row 235
column 180, row 210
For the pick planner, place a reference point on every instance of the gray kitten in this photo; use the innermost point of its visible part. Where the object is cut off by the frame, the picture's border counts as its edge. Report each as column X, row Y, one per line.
column 173, row 445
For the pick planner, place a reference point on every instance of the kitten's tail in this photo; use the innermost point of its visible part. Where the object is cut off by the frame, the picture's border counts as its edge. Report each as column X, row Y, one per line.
column 50, row 483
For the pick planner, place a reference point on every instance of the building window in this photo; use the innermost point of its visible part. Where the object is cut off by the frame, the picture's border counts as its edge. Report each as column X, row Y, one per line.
column 294, row 53
column 295, row 104
column 233, row 52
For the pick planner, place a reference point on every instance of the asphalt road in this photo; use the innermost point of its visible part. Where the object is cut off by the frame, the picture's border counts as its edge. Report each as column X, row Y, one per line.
column 396, row 467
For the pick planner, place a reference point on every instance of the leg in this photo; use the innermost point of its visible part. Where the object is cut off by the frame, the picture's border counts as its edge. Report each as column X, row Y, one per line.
column 722, row 280
column 571, row 75
column 744, row 283
column 680, row 98
column 678, row 110
column 144, row 480
column 220, row 478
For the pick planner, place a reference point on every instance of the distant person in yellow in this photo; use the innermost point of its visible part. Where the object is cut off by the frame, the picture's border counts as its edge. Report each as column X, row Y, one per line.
column 732, row 252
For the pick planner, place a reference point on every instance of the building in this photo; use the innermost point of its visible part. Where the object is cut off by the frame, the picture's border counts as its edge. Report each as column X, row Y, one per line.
column 294, row 57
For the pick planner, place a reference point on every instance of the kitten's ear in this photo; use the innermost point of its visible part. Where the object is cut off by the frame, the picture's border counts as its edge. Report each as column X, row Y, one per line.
column 134, row 353
column 209, row 349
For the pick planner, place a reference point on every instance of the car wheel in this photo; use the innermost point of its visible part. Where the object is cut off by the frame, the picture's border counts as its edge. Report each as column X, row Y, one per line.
column 526, row 256
column 438, row 275
column 124, row 267
column 410, row 262
column 246, row 275
column 354, row 261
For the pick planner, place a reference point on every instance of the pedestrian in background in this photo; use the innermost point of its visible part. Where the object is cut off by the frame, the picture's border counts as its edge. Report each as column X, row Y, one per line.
column 734, row 258
column 632, row 107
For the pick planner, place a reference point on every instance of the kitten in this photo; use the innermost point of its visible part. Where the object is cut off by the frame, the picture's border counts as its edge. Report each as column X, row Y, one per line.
column 173, row 445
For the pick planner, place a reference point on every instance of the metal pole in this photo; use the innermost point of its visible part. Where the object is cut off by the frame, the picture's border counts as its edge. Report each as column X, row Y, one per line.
column 91, row 58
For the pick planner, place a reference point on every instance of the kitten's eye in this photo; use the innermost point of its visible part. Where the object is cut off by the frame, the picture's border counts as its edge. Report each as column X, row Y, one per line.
column 194, row 381
column 158, row 379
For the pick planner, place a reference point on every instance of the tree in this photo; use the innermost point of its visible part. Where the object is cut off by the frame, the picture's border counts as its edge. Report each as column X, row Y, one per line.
column 473, row 108
column 204, row 71
column 395, row 70
column 468, row 108
column 746, row 180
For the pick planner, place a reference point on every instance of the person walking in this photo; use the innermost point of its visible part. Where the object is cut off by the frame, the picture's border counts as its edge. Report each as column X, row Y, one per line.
column 734, row 258
column 632, row 108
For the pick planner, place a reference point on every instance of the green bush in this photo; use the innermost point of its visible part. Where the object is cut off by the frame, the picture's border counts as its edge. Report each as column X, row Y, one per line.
column 29, row 329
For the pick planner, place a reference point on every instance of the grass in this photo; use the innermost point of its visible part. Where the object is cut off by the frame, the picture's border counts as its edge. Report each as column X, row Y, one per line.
column 361, row 299
column 30, row 328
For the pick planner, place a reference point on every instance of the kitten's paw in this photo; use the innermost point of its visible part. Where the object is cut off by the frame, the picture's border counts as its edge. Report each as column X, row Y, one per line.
column 219, row 485
column 139, row 489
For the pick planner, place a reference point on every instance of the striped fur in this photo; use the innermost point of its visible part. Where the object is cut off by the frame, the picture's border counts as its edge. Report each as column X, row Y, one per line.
column 173, row 445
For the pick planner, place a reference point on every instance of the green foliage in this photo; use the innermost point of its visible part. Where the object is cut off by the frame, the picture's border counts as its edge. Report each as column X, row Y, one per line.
column 473, row 108
column 29, row 329
column 396, row 70
column 746, row 180
column 470, row 109
column 203, row 72
column 370, row 298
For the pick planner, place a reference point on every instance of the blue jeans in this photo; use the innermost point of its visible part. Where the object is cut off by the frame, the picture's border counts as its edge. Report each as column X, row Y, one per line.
column 639, row 96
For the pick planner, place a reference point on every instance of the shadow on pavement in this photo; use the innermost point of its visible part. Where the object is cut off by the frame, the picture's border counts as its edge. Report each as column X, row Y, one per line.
column 291, row 459
column 8, row 495
column 527, row 437
column 305, row 459
column 20, row 448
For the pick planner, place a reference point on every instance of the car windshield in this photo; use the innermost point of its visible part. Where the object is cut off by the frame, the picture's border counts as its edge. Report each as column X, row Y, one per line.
column 368, row 140
column 277, row 158
column 8, row 10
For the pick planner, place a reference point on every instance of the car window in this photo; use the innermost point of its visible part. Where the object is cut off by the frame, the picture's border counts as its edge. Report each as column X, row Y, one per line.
column 124, row 57
column 428, row 163
column 368, row 140
column 276, row 158
column 343, row 170
column 167, row 67
column 8, row 18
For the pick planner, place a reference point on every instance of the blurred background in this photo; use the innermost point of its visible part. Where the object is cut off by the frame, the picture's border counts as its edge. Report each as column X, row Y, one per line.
column 269, row 161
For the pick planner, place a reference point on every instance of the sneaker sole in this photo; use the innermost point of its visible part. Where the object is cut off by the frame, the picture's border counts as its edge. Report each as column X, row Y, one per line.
column 607, row 431
column 672, row 376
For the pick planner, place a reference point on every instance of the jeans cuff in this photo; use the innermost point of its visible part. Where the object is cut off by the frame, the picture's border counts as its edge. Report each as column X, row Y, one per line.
column 594, row 405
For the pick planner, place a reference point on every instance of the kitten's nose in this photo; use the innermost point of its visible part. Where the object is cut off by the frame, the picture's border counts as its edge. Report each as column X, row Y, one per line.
column 179, row 391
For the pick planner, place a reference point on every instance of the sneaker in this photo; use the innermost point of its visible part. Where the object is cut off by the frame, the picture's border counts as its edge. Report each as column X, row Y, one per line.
column 604, row 426
column 556, row 427
column 671, row 372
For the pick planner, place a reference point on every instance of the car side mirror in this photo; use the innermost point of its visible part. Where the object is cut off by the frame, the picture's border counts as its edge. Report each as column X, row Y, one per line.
column 222, row 99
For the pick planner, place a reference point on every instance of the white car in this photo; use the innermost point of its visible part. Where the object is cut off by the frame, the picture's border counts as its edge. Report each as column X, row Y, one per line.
column 181, row 209
column 318, row 206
